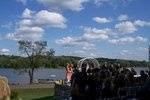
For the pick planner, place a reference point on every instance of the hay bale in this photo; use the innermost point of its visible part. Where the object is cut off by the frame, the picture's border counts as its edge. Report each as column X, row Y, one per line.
column 4, row 89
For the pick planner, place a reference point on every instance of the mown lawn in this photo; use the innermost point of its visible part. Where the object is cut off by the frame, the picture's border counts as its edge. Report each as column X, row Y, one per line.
column 35, row 94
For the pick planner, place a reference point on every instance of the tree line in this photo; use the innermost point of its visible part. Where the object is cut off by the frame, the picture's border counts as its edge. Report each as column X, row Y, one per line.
column 12, row 61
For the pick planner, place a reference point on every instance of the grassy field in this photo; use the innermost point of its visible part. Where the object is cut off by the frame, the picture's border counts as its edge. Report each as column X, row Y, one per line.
column 35, row 94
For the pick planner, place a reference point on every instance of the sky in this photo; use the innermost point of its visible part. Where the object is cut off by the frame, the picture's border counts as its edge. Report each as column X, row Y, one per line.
column 87, row 28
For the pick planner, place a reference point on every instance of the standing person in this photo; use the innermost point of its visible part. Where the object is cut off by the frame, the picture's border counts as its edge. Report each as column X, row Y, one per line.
column 69, row 72
column 78, row 86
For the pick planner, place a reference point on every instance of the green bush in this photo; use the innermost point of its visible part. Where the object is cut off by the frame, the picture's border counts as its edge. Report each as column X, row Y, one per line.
column 14, row 95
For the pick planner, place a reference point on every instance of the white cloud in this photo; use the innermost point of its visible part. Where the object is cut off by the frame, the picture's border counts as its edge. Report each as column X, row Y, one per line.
column 114, row 3
column 125, row 52
column 43, row 17
column 52, row 19
column 100, row 2
column 101, row 20
column 94, row 33
column 128, row 39
column 22, row 1
column 26, row 22
column 93, row 55
column 122, row 17
column 141, row 23
column 5, row 51
column 27, row 13
column 81, row 43
column 126, row 27
column 141, row 39
column 88, row 47
column 67, row 41
column 31, row 27
column 70, row 41
column 84, row 42
column 26, row 33
column 74, row 5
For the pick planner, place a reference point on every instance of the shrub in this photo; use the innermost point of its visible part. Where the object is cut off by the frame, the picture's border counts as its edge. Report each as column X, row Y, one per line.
column 14, row 95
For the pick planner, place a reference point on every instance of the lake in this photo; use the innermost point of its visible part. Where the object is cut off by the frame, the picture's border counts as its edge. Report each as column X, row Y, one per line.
column 14, row 76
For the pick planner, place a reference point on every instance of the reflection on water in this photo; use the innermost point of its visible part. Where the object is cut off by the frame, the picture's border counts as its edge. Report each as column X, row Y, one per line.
column 42, row 73
column 15, row 76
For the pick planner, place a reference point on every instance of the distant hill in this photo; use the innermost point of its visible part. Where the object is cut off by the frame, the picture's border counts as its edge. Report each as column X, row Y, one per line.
column 11, row 61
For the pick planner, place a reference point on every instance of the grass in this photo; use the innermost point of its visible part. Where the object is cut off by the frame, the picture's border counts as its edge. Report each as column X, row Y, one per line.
column 35, row 94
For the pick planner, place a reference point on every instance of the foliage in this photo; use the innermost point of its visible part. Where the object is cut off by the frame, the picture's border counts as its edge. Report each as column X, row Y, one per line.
column 35, row 52
column 14, row 95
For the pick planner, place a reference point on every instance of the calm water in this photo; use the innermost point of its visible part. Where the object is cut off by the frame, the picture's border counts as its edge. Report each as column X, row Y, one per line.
column 15, row 76
column 44, row 73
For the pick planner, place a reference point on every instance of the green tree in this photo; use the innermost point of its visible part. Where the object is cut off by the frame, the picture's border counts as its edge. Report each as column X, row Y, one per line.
column 33, row 51
column 50, row 53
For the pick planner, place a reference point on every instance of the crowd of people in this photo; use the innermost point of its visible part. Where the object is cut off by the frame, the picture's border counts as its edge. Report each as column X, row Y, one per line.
column 109, row 82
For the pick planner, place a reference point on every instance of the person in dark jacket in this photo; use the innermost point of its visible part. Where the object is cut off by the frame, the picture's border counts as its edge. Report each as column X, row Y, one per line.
column 144, row 93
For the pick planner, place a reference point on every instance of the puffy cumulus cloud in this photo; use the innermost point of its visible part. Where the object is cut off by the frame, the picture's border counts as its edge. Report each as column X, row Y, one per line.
column 128, row 39
column 79, row 42
column 126, row 27
column 67, row 41
column 94, row 33
column 74, row 5
column 31, row 27
column 101, row 20
column 141, row 23
column 5, row 51
column 76, row 41
column 122, row 17
column 26, row 22
column 26, row 33
column 84, row 41
column 43, row 17
column 27, row 13
column 52, row 19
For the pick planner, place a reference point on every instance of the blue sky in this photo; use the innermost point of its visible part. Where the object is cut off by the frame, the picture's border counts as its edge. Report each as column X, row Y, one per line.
column 88, row 28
